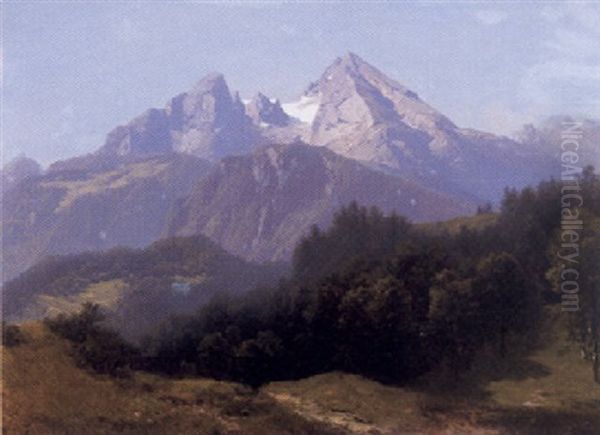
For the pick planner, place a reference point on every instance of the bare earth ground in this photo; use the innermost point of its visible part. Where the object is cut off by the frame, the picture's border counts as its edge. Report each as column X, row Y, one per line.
column 549, row 391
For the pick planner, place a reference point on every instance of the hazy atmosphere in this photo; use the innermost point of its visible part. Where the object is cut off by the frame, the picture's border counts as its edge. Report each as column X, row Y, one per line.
column 72, row 71
column 309, row 218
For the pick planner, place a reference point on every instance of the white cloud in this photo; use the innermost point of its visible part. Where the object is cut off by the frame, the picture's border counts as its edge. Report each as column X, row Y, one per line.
column 571, row 72
column 552, row 14
column 490, row 17
column 500, row 118
column 562, row 85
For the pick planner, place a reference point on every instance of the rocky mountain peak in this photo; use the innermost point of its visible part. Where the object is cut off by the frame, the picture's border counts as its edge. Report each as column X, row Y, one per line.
column 211, row 82
column 350, row 73
column 366, row 115
column 266, row 112
column 351, row 63
column 210, row 101
column 207, row 122
column 353, row 109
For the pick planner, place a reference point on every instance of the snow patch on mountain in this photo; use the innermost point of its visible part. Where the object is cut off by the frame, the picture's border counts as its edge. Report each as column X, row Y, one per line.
column 305, row 109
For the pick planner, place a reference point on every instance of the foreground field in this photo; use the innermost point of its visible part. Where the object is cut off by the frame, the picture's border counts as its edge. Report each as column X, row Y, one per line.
column 547, row 391
column 45, row 393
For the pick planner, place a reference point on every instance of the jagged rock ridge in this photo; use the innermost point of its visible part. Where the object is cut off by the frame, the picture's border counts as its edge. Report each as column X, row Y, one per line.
column 207, row 122
column 354, row 110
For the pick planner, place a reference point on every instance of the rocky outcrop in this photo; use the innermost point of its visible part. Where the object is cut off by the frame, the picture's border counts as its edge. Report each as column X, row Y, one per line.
column 206, row 122
column 265, row 112
column 147, row 134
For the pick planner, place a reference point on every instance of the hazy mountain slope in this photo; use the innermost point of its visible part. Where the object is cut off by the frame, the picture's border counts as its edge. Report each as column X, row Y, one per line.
column 258, row 206
column 91, row 203
column 138, row 288
column 547, row 137
column 18, row 170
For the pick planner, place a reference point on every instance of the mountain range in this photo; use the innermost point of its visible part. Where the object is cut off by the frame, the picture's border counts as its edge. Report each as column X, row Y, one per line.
column 255, row 175
column 354, row 110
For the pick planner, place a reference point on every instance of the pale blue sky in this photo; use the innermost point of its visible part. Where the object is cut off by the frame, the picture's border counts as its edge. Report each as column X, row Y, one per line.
column 73, row 71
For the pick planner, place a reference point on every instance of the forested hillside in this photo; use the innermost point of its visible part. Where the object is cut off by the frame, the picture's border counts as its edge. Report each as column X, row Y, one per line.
column 462, row 325
column 372, row 294
column 137, row 288
column 378, row 296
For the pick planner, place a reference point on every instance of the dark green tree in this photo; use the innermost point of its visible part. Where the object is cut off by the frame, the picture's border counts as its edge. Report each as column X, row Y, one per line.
column 505, row 297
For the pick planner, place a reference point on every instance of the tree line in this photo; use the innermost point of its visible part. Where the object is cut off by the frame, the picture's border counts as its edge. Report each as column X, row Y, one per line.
column 379, row 296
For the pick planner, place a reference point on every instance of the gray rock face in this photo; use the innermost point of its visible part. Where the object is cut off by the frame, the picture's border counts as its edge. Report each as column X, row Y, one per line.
column 206, row 122
column 258, row 206
column 265, row 112
column 367, row 116
column 146, row 134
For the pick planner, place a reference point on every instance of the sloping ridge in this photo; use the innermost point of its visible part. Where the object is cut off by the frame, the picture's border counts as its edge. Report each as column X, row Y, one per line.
column 258, row 206
column 92, row 203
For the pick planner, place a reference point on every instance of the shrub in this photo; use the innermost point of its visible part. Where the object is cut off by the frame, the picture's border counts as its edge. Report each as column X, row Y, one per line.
column 12, row 335
column 95, row 346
